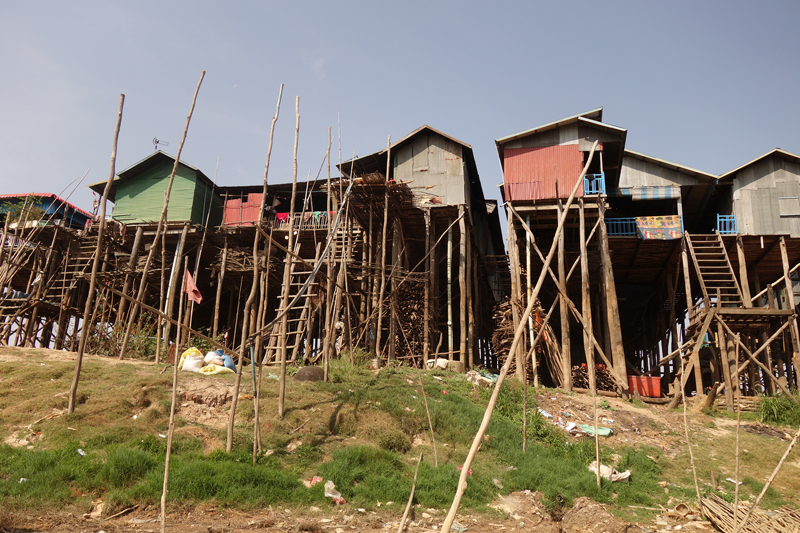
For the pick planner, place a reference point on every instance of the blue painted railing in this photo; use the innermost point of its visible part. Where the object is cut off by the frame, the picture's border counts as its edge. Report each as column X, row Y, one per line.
column 594, row 184
column 621, row 227
column 726, row 224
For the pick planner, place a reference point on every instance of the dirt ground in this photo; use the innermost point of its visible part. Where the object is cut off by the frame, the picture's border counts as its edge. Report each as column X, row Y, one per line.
column 205, row 400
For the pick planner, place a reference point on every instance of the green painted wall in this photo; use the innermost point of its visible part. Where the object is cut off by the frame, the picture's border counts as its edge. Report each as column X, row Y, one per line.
column 140, row 199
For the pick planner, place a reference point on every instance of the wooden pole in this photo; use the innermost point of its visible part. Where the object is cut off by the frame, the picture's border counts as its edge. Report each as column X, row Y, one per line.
column 171, row 432
column 612, row 307
column 478, row 440
column 566, row 347
column 743, row 282
column 450, row 292
column 790, row 305
column 173, row 279
column 462, row 282
column 87, row 310
column 378, row 333
column 162, row 219
column 288, row 269
column 426, row 331
column 137, row 242
column 725, row 364
column 220, row 280
column 254, row 286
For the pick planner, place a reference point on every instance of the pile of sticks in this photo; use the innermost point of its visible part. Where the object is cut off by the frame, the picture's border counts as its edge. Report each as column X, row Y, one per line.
column 410, row 315
column 720, row 513
column 605, row 380
column 503, row 334
column 548, row 352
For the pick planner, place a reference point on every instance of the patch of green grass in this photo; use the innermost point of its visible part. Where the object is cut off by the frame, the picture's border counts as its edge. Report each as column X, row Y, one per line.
column 779, row 410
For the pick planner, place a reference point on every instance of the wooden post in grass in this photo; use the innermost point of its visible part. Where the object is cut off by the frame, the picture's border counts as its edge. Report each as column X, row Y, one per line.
column 383, row 247
column 487, row 416
column 159, row 228
column 287, row 276
column 254, row 286
column 87, row 310
column 171, row 430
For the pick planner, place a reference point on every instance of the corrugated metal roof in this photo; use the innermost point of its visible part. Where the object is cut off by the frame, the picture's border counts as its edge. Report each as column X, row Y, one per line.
column 593, row 114
column 673, row 166
column 544, row 170
column 777, row 151
column 48, row 195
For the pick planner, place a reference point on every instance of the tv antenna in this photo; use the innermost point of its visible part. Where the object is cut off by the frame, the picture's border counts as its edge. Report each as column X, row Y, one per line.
column 157, row 141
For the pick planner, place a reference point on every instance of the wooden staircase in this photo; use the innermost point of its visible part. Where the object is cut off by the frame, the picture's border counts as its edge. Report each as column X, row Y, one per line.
column 714, row 272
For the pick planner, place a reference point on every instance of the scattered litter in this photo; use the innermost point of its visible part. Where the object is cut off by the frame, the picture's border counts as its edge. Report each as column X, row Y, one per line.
column 23, row 479
column 497, row 483
column 545, row 413
column 362, row 510
column 312, row 481
column 162, row 436
column 410, row 382
column 273, row 376
column 458, row 527
column 570, row 426
column 143, row 520
column 81, row 452
column 608, row 420
column 732, row 480
column 444, row 392
column 462, row 468
column 331, row 492
column 609, row 473
column 437, row 377
column 589, row 430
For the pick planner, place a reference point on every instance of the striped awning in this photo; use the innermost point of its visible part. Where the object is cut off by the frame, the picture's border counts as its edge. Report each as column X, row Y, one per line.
column 647, row 193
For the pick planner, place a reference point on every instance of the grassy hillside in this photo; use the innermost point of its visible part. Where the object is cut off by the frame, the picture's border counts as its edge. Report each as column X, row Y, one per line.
column 363, row 429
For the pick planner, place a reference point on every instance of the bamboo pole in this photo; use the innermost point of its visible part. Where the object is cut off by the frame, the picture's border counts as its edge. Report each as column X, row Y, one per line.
column 254, row 286
column 383, row 245
column 768, row 483
column 738, row 426
column 790, row 304
column 171, row 432
column 566, row 345
column 87, row 310
column 410, row 497
column 220, row 279
column 462, row 282
column 427, row 295
column 288, row 269
column 462, row 482
column 162, row 219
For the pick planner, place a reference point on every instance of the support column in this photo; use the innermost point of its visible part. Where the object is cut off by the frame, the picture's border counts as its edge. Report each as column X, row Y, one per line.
column 566, row 349
column 586, row 304
column 612, row 307
column 743, row 282
column 426, row 338
column 790, row 305
column 462, row 282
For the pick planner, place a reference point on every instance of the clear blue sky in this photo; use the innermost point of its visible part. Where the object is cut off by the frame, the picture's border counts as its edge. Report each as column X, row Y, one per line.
column 710, row 85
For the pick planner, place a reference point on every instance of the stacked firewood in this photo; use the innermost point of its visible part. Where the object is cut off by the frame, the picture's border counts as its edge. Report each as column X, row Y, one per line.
column 548, row 353
column 503, row 334
column 605, row 380
column 410, row 314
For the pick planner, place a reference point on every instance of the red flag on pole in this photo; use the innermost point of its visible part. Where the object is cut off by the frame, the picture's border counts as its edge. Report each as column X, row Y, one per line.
column 191, row 289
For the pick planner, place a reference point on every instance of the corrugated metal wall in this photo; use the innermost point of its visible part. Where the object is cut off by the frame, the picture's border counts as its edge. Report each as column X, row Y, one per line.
column 532, row 173
column 238, row 213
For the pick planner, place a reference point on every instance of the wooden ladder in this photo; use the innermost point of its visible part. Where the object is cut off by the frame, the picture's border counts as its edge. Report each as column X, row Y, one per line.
column 298, row 314
column 714, row 271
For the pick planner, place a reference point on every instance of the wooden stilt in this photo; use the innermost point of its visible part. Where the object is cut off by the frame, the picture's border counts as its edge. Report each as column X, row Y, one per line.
column 462, row 282
column 220, row 281
column 175, row 275
column 612, row 308
column 586, row 304
column 426, row 331
column 790, row 304
column 566, row 349
column 73, row 391
column 379, row 328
